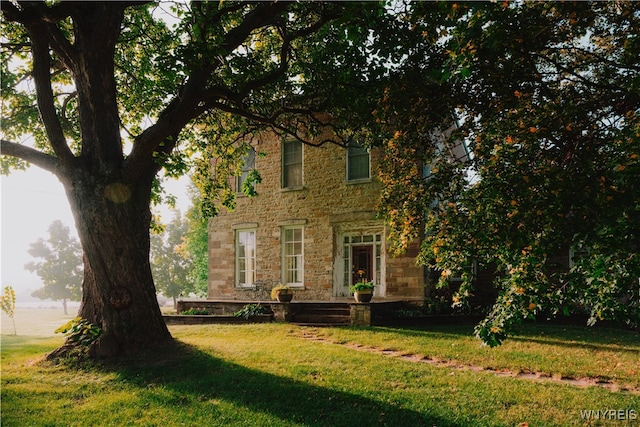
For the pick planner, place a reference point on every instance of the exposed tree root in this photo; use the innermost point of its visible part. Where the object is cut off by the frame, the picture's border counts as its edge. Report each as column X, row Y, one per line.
column 101, row 349
column 69, row 350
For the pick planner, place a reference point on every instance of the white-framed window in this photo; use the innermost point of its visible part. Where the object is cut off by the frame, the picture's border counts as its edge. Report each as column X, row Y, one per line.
column 245, row 257
column 291, row 164
column 248, row 165
column 358, row 163
column 293, row 255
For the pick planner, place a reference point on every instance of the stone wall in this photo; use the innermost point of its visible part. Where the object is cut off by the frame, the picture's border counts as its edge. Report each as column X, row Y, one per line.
column 325, row 203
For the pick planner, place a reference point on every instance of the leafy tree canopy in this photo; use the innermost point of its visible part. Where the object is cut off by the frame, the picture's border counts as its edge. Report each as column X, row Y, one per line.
column 242, row 67
column 195, row 245
column 169, row 266
column 59, row 265
column 547, row 97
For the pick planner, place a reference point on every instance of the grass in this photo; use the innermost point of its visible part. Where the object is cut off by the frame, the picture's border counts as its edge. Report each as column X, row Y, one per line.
column 36, row 321
column 564, row 351
column 270, row 375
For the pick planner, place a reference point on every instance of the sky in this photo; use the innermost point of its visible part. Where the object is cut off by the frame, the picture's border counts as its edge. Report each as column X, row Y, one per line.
column 29, row 202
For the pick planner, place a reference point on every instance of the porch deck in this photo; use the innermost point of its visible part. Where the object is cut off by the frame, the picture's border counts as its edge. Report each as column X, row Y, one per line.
column 341, row 311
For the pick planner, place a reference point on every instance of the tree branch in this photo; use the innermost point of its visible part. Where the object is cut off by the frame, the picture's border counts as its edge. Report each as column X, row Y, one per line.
column 285, row 48
column 31, row 155
column 185, row 107
column 38, row 14
column 61, row 46
column 271, row 77
column 263, row 15
column 584, row 80
column 273, row 123
column 46, row 105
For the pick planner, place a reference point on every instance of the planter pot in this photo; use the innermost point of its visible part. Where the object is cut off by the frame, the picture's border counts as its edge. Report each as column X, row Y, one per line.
column 363, row 296
column 282, row 297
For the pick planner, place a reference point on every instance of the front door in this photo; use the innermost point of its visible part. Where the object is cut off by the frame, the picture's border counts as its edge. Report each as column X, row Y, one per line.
column 359, row 257
column 362, row 263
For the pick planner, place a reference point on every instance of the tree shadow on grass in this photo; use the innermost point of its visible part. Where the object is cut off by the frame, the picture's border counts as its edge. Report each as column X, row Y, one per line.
column 195, row 377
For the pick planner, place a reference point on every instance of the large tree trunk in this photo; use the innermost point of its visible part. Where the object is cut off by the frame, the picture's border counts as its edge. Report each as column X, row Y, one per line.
column 113, row 217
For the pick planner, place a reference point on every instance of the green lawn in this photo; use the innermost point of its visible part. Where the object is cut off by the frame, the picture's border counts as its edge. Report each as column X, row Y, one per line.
column 275, row 375
column 36, row 321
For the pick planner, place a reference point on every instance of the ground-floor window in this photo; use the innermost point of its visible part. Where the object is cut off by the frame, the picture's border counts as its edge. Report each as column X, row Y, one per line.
column 293, row 255
column 245, row 257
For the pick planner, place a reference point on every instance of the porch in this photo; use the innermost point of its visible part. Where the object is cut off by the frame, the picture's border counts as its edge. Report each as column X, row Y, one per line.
column 341, row 311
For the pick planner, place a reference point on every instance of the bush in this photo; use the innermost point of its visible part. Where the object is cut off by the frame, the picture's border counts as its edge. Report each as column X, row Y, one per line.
column 195, row 311
column 251, row 310
column 80, row 331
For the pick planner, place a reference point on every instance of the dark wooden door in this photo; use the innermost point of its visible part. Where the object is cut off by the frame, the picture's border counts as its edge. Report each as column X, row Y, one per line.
column 362, row 263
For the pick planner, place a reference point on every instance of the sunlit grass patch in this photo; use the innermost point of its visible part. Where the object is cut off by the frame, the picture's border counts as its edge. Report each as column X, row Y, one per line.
column 555, row 350
column 271, row 375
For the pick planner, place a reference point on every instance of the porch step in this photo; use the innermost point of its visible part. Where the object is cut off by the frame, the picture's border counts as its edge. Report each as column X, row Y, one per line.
column 308, row 319
column 317, row 314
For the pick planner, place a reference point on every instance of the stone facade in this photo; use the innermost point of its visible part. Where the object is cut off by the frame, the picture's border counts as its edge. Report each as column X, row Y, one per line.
column 335, row 219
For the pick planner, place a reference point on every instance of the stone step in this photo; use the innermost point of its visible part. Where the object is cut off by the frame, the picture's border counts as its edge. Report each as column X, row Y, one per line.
column 324, row 311
column 330, row 313
column 321, row 319
column 320, row 324
column 321, row 305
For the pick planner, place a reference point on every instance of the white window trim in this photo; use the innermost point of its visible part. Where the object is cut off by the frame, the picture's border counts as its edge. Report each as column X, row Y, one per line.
column 282, row 169
column 379, row 272
column 237, row 232
column 357, row 180
column 283, row 230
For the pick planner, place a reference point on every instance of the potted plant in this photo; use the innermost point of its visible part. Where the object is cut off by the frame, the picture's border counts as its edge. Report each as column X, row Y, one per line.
column 362, row 291
column 282, row 293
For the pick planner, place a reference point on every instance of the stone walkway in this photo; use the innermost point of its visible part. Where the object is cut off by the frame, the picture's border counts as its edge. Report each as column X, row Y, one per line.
column 524, row 375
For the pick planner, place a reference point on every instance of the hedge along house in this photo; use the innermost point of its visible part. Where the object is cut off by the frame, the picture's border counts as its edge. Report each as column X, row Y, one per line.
column 311, row 226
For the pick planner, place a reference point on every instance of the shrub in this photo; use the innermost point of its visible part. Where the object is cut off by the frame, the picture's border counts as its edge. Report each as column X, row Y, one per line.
column 80, row 331
column 195, row 311
column 251, row 310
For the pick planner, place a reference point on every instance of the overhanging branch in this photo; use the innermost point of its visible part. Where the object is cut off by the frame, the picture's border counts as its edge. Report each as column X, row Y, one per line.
column 31, row 155
column 197, row 94
column 185, row 107
column 272, row 122
column 35, row 14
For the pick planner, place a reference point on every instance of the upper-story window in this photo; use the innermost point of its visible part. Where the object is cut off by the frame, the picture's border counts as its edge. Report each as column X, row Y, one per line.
column 358, row 163
column 247, row 167
column 292, row 164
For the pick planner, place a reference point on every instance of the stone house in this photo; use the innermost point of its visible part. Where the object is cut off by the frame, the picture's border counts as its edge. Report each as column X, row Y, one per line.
column 312, row 225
